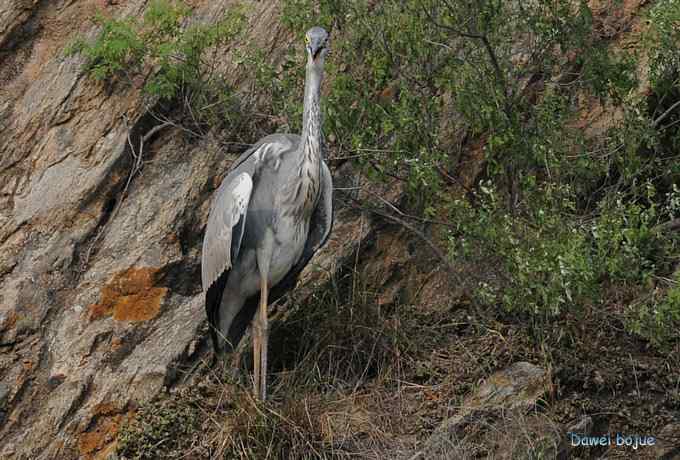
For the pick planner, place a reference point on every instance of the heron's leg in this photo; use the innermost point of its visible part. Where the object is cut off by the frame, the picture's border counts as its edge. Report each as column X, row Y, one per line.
column 256, row 354
column 264, row 337
column 264, row 257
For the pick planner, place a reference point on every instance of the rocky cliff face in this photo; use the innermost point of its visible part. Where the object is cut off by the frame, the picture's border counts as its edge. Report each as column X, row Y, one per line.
column 100, row 299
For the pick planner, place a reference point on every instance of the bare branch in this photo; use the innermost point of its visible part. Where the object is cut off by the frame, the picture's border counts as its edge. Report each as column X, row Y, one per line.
column 665, row 114
column 440, row 255
column 136, row 166
column 449, row 28
column 670, row 226
column 154, row 130
column 498, row 72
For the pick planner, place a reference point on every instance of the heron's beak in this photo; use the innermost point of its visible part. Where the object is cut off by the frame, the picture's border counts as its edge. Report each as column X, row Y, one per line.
column 315, row 50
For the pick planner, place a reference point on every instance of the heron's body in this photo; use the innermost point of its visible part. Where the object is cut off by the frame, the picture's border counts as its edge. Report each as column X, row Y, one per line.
column 270, row 214
column 266, row 217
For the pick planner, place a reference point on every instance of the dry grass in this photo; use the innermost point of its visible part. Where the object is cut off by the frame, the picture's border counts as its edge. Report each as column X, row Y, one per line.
column 335, row 390
column 335, row 360
column 350, row 378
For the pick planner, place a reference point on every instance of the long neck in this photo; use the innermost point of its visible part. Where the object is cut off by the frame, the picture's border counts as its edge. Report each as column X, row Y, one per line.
column 304, row 186
column 311, row 120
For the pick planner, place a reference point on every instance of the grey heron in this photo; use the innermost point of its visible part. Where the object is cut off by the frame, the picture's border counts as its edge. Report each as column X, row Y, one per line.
column 269, row 216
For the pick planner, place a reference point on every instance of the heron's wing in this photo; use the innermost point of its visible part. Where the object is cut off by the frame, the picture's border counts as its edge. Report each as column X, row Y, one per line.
column 226, row 224
column 319, row 228
column 221, row 244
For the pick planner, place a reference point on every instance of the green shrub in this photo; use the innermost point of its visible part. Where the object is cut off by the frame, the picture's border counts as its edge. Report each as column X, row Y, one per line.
column 537, row 263
column 124, row 49
column 163, row 428
column 117, row 48
column 626, row 242
column 662, row 42
column 658, row 319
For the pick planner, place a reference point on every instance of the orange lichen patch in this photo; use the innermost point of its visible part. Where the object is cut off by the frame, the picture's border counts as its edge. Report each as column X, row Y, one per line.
column 100, row 440
column 130, row 296
column 141, row 307
column 98, row 311
column 92, row 444
column 105, row 409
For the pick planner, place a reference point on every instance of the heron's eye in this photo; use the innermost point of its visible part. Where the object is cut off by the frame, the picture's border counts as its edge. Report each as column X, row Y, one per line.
column 306, row 39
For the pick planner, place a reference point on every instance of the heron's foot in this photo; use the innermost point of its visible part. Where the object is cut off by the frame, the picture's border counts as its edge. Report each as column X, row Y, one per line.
column 233, row 366
column 257, row 338
column 263, row 359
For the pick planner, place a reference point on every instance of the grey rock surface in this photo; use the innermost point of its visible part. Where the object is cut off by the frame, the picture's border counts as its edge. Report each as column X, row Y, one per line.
column 498, row 421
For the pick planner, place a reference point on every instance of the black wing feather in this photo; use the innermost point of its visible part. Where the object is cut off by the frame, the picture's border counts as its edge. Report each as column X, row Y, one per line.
column 213, row 298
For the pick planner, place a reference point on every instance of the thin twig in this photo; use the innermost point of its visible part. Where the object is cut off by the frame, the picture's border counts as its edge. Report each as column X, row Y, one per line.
column 380, row 169
column 154, row 130
column 669, row 125
column 637, row 384
column 665, row 114
column 450, row 268
column 409, row 216
column 669, row 226
column 449, row 28
column 166, row 121
column 136, row 167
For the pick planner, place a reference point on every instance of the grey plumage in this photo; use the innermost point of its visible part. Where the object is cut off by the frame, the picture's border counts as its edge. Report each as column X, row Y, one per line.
column 269, row 216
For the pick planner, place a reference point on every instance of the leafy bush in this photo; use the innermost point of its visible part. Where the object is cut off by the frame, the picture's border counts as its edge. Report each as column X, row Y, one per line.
column 662, row 41
column 658, row 318
column 178, row 54
column 117, row 48
column 532, row 263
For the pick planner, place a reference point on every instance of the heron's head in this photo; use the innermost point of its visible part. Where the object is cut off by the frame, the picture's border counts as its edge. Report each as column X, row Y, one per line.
column 317, row 45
